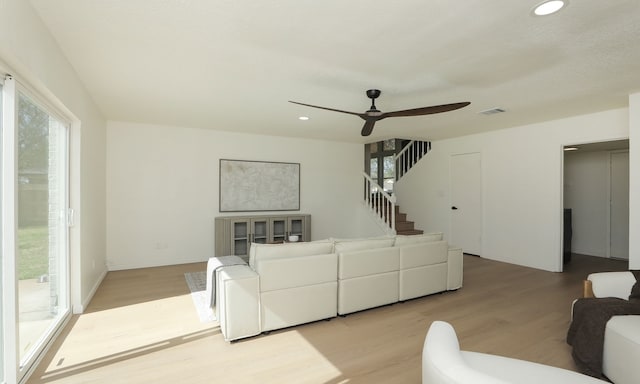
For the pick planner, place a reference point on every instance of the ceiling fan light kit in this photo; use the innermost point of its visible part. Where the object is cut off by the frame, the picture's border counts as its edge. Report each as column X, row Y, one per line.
column 374, row 114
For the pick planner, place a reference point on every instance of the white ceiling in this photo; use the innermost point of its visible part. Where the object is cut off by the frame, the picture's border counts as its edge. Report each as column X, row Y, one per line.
column 234, row 64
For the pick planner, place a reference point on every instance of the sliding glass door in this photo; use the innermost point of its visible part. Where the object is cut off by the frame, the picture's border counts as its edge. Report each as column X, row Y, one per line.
column 34, row 273
column 3, row 350
column 42, row 250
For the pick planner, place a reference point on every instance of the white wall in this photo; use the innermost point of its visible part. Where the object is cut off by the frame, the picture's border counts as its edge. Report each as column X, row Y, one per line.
column 163, row 192
column 522, row 185
column 587, row 193
column 34, row 58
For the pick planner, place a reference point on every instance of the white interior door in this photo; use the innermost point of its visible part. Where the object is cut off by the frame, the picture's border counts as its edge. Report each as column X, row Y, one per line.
column 619, row 240
column 466, row 202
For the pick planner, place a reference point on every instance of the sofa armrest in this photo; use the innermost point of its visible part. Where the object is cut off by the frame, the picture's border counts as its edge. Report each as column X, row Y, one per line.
column 612, row 284
column 238, row 302
column 454, row 268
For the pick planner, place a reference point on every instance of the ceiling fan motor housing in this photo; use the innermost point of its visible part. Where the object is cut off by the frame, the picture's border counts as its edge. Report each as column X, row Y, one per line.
column 373, row 93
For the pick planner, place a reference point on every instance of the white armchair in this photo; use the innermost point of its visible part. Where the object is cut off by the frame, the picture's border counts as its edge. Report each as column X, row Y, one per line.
column 444, row 363
column 621, row 350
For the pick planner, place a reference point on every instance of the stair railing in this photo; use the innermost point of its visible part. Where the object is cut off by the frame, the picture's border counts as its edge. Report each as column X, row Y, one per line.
column 409, row 155
column 381, row 204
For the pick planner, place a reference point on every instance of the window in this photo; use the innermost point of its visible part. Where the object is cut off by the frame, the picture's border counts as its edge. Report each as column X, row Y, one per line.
column 381, row 164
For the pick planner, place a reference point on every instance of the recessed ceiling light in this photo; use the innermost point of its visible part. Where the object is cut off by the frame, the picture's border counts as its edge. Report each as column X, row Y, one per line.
column 549, row 7
column 303, row 118
column 570, row 148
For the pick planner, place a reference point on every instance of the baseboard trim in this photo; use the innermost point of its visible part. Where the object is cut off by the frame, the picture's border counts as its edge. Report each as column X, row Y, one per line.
column 78, row 309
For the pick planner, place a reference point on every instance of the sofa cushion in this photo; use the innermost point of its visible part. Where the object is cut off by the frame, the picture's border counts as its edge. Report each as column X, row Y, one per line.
column 289, row 307
column 348, row 245
column 368, row 262
column 621, row 349
column 417, row 255
column 259, row 252
column 612, row 284
column 422, row 281
column 413, row 239
column 626, row 325
column 367, row 292
column 292, row 272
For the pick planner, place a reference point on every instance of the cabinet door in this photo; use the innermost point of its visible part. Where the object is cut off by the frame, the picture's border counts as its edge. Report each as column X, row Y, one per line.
column 240, row 236
column 295, row 225
column 278, row 227
column 259, row 230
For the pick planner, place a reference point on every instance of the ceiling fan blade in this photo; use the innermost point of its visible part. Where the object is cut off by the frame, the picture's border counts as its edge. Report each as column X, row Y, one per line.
column 368, row 127
column 427, row 110
column 328, row 109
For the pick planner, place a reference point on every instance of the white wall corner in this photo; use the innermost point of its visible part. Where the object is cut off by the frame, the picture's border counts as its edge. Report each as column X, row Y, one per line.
column 79, row 308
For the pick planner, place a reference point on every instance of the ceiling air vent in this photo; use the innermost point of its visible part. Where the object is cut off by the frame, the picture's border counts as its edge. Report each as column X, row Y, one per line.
column 492, row 111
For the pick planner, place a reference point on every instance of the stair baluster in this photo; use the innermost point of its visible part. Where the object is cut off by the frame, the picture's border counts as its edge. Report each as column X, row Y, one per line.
column 410, row 155
column 380, row 203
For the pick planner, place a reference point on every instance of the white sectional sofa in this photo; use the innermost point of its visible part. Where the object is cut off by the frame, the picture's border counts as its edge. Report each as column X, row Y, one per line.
column 297, row 283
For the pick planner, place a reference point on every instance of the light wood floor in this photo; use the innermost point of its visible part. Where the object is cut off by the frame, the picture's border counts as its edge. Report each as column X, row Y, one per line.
column 141, row 327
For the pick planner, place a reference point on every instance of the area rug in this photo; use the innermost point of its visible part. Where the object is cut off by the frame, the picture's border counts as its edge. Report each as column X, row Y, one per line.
column 197, row 282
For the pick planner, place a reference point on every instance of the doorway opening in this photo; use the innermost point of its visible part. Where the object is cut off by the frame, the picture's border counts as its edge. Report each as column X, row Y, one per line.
column 596, row 200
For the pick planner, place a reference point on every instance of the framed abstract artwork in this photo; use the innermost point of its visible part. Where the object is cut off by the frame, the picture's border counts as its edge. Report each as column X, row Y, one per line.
column 247, row 186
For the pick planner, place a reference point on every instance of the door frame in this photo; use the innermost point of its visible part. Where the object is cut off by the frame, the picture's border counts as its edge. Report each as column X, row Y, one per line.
column 480, row 200
column 610, row 213
column 562, row 150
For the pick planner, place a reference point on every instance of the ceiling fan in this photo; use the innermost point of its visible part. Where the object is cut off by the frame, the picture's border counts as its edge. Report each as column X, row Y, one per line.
column 374, row 114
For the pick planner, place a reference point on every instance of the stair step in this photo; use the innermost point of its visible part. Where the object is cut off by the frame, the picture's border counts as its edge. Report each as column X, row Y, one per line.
column 410, row 232
column 404, row 225
column 399, row 216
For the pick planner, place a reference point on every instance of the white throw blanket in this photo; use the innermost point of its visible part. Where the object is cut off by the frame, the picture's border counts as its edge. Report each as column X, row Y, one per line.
column 213, row 265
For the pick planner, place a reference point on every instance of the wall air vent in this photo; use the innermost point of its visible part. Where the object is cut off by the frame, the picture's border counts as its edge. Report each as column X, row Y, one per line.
column 492, row 111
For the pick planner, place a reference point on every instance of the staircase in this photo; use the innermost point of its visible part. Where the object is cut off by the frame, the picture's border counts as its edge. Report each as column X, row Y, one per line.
column 381, row 204
column 403, row 226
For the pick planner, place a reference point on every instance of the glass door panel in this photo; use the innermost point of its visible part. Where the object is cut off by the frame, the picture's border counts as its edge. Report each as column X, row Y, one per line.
column 260, row 231
column 42, row 262
column 296, row 227
column 278, row 229
column 240, row 237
